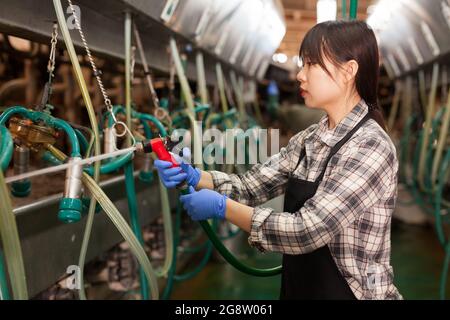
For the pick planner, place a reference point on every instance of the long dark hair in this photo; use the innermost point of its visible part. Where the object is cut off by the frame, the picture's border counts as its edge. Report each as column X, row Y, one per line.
column 342, row 41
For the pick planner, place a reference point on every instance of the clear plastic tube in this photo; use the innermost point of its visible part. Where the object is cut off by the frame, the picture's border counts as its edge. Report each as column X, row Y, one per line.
column 120, row 224
column 429, row 116
column 168, row 233
column 94, row 125
column 126, row 232
column 11, row 244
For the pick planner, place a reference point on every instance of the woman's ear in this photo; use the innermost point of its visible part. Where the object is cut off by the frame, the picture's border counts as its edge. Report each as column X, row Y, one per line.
column 350, row 70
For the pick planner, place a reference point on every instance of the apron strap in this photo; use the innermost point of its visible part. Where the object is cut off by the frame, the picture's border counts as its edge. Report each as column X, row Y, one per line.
column 338, row 145
column 335, row 148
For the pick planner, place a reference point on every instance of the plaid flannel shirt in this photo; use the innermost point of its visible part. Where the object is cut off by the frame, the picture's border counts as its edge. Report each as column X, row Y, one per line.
column 350, row 212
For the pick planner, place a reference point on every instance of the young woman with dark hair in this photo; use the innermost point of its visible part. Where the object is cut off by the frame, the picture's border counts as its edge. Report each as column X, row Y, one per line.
column 339, row 178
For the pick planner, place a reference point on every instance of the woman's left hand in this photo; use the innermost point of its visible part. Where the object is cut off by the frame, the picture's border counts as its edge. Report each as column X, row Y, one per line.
column 204, row 204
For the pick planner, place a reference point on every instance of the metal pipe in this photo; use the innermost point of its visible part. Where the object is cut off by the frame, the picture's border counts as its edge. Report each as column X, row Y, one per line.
column 70, row 206
column 21, row 188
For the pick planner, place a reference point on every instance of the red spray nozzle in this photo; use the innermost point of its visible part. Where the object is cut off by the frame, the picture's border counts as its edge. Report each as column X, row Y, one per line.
column 157, row 146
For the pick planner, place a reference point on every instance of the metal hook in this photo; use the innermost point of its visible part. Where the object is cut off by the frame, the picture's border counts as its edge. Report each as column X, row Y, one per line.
column 123, row 134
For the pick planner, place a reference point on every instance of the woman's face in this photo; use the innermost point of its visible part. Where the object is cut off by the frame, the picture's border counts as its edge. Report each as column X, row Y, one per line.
column 317, row 88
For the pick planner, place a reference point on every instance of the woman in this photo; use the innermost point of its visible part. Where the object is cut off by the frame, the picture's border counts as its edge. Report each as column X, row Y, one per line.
column 339, row 178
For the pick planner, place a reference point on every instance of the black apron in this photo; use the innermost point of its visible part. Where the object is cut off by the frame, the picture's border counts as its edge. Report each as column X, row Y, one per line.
column 312, row 275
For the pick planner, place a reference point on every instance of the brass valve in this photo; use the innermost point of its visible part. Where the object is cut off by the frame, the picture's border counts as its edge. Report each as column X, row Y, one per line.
column 32, row 135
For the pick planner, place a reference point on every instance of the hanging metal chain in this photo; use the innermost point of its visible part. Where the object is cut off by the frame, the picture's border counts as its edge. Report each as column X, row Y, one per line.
column 97, row 73
column 148, row 76
column 51, row 60
column 160, row 113
column 50, row 69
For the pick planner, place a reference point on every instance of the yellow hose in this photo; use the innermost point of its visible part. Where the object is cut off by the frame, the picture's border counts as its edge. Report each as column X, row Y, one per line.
column 126, row 232
column 120, row 223
column 197, row 141
column 202, row 89
column 237, row 88
column 395, row 104
column 11, row 244
column 94, row 125
column 442, row 142
column 427, row 126
column 168, row 235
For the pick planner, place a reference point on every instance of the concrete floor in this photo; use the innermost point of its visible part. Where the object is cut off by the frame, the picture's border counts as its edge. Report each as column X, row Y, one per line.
column 416, row 257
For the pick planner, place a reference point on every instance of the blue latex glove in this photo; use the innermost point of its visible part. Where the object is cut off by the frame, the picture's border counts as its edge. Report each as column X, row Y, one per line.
column 171, row 177
column 204, row 204
column 192, row 174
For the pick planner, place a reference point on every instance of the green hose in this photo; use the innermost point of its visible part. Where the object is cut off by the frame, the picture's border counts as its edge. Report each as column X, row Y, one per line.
column 134, row 217
column 50, row 158
column 147, row 131
column 444, row 273
column 171, row 274
column 353, row 9
column 191, row 274
column 141, row 116
column 50, row 121
column 439, row 199
column 229, row 257
column 176, row 234
column 4, row 292
column 443, row 135
column 6, row 148
column 415, row 186
column 152, row 119
column 83, row 142
column 431, row 152
column 8, row 113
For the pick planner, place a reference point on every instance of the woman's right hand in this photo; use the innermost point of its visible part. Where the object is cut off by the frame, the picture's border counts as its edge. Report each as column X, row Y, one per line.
column 171, row 177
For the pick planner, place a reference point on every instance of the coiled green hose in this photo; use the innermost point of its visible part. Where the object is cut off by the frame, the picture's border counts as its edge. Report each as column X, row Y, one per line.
column 228, row 256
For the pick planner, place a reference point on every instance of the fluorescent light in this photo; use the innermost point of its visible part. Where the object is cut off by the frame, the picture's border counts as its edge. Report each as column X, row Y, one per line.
column 280, row 58
column 326, row 10
column 380, row 14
